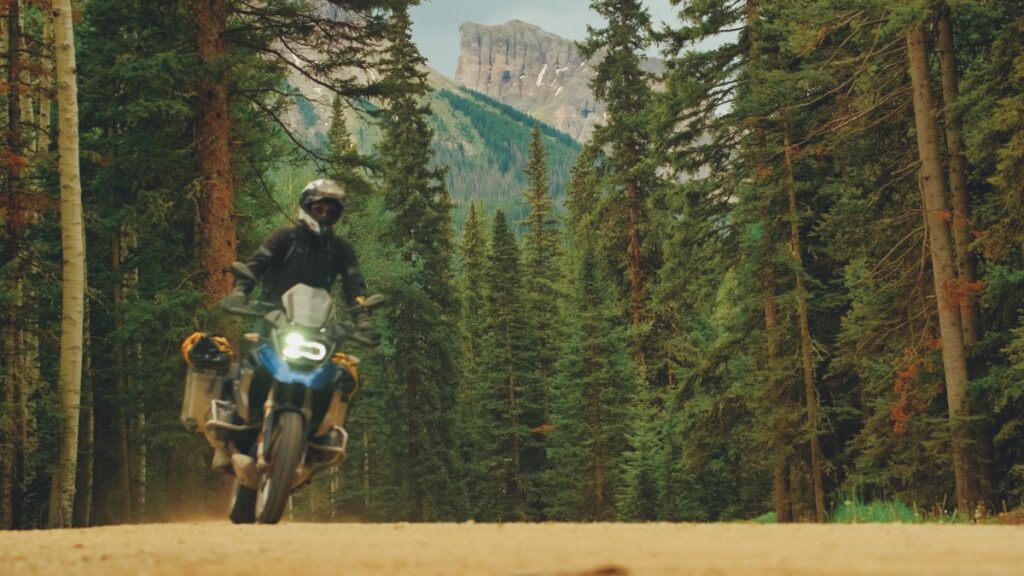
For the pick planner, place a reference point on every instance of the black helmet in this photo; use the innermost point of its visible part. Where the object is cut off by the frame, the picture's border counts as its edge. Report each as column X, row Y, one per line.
column 320, row 205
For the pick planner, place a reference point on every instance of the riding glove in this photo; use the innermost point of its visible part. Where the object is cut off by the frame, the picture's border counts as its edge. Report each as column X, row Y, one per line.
column 238, row 297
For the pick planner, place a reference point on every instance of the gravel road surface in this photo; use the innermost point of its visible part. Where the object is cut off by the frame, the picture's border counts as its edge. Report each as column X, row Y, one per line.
column 515, row 550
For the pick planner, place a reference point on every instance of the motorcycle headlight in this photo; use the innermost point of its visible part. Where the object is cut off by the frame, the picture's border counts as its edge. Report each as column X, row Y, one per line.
column 296, row 346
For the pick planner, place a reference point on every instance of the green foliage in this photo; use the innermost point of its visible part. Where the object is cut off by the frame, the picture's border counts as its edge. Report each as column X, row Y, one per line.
column 423, row 360
column 509, row 113
column 857, row 512
column 472, row 408
column 589, row 405
column 514, row 396
column 513, row 382
column 484, row 144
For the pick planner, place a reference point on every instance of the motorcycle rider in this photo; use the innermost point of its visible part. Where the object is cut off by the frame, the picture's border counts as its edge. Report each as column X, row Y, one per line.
column 307, row 252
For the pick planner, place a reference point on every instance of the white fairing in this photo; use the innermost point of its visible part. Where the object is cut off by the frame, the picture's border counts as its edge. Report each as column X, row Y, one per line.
column 308, row 306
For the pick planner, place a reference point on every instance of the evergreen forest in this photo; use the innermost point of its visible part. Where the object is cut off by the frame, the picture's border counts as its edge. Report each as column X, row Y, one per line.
column 784, row 276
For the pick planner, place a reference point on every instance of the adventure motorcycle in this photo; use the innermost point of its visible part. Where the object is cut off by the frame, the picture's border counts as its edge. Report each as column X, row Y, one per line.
column 295, row 370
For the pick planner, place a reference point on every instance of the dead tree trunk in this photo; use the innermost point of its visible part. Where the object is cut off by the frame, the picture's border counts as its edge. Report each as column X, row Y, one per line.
column 781, row 438
column 806, row 359
column 966, row 265
column 119, row 505
column 954, row 357
column 781, row 470
column 966, row 262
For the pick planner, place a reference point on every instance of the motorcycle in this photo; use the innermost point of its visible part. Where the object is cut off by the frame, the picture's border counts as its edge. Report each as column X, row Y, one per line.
column 295, row 369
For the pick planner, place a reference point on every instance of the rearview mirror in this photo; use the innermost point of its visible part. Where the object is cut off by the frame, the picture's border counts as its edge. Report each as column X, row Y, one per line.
column 374, row 301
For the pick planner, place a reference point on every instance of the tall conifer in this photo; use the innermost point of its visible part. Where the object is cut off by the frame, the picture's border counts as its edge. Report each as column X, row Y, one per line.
column 590, row 400
column 624, row 86
column 514, row 394
column 542, row 272
column 423, row 315
column 473, row 427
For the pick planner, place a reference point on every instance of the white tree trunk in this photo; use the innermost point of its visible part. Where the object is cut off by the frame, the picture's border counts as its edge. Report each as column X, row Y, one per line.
column 62, row 495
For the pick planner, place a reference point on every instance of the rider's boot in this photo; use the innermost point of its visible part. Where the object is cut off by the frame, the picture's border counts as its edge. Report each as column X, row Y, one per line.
column 221, row 460
column 245, row 469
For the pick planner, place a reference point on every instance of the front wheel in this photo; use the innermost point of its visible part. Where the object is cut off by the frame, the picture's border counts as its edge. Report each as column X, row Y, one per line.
column 285, row 451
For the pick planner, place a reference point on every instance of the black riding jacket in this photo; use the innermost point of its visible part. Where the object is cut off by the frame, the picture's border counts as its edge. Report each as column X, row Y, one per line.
column 295, row 255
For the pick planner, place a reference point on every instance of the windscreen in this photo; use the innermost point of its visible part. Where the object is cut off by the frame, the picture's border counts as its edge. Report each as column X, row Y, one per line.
column 308, row 306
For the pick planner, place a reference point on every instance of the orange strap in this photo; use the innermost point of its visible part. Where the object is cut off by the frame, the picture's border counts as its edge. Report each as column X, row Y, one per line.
column 350, row 362
column 220, row 342
column 189, row 343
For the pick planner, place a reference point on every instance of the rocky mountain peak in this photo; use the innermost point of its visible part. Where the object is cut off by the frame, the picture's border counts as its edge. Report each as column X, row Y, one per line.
column 535, row 71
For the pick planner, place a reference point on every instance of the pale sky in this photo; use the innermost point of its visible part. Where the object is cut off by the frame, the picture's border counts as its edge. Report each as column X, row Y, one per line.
column 436, row 23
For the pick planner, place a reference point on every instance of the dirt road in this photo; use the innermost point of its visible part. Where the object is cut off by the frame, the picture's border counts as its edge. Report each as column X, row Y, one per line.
column 515, row 549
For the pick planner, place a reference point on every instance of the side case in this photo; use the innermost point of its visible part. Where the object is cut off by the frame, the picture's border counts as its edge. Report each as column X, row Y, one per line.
column 202, row 386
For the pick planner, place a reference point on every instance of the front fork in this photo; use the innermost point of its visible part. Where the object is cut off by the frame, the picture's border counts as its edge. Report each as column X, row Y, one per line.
column 270, row 412
column 219, row 427
column 333, row 421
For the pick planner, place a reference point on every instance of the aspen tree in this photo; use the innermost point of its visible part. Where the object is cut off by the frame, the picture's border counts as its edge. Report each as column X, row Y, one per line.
column 62, row 494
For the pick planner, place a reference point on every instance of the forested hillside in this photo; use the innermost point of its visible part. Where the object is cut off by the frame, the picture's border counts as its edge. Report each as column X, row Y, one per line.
column 482, row 144
column 787, row 282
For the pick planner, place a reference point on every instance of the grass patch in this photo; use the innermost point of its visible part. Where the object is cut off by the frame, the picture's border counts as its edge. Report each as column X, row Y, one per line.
column 854, row 512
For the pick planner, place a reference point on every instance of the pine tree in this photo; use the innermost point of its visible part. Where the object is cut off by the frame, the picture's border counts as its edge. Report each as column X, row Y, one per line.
column 343, row 162
column 590, row 404
column 541, row 280
column 991, row 105
column 625, row 87
column 471, row 401
column 514, row 395
column 542, row 242
column 954, row 355
column 424, row 314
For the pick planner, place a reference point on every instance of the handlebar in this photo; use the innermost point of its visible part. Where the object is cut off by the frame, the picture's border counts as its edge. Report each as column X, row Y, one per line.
column 348, row 332
column 250, row 310
column 339, row 330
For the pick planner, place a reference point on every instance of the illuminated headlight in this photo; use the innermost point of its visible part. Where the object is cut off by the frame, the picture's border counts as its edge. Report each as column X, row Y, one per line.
column 296, row 347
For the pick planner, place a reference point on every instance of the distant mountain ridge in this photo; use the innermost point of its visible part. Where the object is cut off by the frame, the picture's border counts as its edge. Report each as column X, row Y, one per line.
column 534, row 71
column 483, row 143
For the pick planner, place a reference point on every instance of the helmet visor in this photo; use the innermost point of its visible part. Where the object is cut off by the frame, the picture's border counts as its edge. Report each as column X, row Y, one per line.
column 325, row 212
